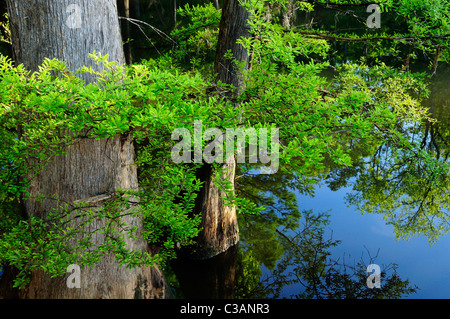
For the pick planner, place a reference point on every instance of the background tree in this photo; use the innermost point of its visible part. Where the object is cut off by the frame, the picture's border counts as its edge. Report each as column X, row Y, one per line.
column 219, row 222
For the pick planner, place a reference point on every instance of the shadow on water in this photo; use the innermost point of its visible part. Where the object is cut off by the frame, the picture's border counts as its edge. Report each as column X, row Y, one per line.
column 207, row 279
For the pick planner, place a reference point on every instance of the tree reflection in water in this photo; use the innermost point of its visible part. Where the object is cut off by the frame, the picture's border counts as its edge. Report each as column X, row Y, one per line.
column 296, row 251
column 293, row 246
column 408, row 186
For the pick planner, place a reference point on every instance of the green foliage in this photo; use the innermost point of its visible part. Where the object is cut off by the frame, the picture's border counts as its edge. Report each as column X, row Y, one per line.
column 410, row 30
column 407, row 185
column 5, row 31
column 42, row 113
column 409, row 188
column 197, row 35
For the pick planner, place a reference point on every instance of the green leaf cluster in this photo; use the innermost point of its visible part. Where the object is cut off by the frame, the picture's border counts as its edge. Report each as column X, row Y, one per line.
column 44, row 112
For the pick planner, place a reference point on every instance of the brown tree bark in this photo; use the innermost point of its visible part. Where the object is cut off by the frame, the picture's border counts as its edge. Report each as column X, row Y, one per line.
column 233, row 26
column 216, row 4
column 126, row 26
column 219, row 224
column 54, row 29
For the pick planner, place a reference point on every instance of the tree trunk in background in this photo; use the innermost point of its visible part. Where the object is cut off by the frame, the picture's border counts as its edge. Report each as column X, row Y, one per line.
column 126, row 31
column 129, row 9
column 219, row 227
column 175, row 12
column 219, row 224
column 51, row 28
column 289, row 15
column 233, row 25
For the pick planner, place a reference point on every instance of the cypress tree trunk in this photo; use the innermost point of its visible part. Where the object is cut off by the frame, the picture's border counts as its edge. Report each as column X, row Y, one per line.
column 216, row 4
column 126, row 26
column 219, row 227
column 69, row 30
column 219, row 224
column 233, row 26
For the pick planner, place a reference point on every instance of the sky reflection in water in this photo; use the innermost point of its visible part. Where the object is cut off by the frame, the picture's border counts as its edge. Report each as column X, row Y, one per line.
column 425, row 266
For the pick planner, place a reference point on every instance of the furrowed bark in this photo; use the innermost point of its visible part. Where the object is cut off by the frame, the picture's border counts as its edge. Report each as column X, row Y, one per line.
column 219, row 225
column 91, row 168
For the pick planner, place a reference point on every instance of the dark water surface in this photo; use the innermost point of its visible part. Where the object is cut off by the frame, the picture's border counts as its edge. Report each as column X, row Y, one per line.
column 274, row 260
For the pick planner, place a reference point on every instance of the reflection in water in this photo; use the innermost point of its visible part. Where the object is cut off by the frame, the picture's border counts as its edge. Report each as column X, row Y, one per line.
column 410, row 188
column 291, row 245
column 203, row 279
column 307, row 266
column 286, row 247
column 303, row 263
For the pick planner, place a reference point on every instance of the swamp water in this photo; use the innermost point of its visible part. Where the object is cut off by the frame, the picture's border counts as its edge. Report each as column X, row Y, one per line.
column 316, row 243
